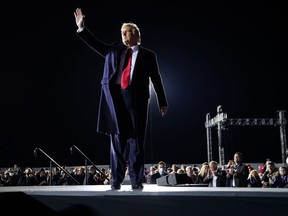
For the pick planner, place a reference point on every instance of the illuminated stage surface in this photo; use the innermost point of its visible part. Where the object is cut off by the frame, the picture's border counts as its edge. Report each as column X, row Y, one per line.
column 100, row 200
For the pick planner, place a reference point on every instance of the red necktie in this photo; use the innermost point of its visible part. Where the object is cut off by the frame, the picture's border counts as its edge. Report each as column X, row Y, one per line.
column 126, row 72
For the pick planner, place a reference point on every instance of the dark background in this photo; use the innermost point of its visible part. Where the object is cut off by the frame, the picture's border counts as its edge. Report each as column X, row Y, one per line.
column 210, row 53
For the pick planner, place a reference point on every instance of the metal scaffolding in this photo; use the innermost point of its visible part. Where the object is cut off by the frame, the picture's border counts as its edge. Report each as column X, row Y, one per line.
column 221, row 121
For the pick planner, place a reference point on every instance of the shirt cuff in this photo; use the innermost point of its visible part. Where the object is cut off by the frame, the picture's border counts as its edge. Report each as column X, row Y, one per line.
column 80, row 29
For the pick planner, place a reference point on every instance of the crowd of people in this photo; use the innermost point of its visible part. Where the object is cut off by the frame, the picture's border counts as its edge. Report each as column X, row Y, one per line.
column 233, row 174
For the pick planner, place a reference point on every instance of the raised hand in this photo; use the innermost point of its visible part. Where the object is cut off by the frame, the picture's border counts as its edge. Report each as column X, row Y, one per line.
column 79, row 18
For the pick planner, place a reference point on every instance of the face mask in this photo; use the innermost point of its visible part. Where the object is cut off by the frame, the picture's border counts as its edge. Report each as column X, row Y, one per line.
column 161, row 170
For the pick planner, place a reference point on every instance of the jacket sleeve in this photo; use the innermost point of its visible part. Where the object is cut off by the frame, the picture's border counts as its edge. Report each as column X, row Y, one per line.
column 93, row 42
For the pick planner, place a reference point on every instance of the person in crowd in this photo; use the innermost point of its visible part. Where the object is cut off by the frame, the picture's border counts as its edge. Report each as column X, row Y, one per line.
column 216, row 177
column 28, row 178
column 270, row 174
column 237, row 175
column 281, row 180
column 92, row 175
column 202, row 173
column 161, row 171
column 42, row 177
column 254, row 179
column 192, row 177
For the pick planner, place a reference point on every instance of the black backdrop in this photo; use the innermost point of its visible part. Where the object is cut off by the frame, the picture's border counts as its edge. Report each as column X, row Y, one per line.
column 210, row 53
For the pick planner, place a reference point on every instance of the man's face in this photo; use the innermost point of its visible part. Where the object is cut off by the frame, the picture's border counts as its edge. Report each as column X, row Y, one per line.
column 128, row 38
column 237, row 158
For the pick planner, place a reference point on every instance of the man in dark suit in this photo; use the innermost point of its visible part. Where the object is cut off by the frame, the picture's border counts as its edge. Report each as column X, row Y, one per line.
column 237, row 175
column 123, row 111
column 216, row 177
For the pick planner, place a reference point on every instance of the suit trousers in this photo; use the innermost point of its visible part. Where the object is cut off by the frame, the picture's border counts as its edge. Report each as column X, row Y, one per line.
column 127, row 151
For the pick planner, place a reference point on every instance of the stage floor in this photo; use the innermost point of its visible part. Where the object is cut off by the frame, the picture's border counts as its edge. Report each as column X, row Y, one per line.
column 100, row 200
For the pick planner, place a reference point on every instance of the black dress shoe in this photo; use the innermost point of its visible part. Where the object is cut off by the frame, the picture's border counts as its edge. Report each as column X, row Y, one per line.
column 137, row 187
column 115, row 187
